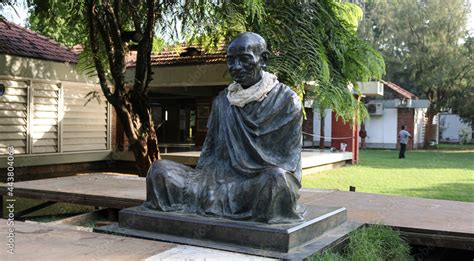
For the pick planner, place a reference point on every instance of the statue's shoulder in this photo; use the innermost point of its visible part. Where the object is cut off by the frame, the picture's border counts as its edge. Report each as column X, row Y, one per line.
column 283, row 88
column 221, row 98
column 222, row 93
column 287, row 93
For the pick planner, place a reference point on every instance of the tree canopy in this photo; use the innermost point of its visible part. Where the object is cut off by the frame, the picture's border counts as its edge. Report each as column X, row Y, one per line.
column 311, row 41
column 426, row 47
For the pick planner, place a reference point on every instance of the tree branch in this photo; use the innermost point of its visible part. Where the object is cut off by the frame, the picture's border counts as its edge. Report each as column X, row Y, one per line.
column 90, row 9
column 462, row 73
column 103, row 30
column 128, row 128
column 114, row 32
column 143, row 64
column 117, row 8
column 135, row 17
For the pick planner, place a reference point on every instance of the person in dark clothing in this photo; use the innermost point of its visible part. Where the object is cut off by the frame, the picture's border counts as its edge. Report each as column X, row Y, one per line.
column 404, row 135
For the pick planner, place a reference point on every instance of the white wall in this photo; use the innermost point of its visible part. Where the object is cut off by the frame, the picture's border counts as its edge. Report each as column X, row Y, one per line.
column 450, row 126
column 418, row 132
column 186, row 75
column 327, row 126
column 49, row 117
column 22, row 67
column 42, row 114
column 382, row 130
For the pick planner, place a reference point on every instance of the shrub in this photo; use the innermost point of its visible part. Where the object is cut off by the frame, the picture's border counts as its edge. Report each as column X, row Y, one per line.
column 373, row 242
column 327, row 256
column 377, row 242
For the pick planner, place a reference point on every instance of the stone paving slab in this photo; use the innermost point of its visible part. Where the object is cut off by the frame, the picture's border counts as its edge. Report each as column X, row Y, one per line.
column 399, row 211
column 183, row 252
column 35, row 241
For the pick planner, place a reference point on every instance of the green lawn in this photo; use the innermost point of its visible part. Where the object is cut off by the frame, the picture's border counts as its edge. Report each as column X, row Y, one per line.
column 440, row 174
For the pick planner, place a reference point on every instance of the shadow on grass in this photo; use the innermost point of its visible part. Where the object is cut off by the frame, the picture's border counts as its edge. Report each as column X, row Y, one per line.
column 387, row 159
column 459, row 191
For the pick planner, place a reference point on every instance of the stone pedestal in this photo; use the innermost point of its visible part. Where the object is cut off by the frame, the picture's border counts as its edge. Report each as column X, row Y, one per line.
column 321, row 228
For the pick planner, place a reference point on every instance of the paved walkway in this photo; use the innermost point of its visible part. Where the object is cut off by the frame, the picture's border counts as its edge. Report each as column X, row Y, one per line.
column 34, row 241
column 425, row 221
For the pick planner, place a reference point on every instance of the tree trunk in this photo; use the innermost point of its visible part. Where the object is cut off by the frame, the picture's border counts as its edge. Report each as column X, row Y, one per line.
column 321, row 129
column 145, row 148
column 146, row 152
column 140, row 131
column 131, row 103
column 430, row 114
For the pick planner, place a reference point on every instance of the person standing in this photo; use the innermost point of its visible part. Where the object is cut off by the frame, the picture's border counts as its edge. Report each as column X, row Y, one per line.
column 404, row 136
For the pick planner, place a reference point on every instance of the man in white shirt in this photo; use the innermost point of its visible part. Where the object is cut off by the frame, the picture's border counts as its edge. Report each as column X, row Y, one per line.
column 404, row 136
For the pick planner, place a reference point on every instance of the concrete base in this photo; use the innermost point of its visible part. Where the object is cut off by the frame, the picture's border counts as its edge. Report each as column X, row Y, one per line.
column 323, row 227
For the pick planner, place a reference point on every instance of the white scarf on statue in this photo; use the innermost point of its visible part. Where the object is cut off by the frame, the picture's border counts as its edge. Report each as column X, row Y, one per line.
column 239, row 96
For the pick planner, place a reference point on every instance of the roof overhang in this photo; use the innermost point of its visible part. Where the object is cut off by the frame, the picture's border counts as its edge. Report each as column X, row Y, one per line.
column 179, row 78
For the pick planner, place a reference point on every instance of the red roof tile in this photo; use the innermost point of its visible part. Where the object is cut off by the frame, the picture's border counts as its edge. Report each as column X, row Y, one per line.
column 196, row 59
column 174, row 57
column 19, row 41
column 400, row 90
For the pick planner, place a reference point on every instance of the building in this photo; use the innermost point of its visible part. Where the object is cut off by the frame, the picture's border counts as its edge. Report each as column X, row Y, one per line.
column 45, row 118
column 389, row 108
column 42, row 106
column 398, row 107
column 185, row 81
column 453, row 130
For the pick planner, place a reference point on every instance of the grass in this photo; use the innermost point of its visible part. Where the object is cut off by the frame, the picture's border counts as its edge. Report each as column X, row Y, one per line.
column 373, row 242
column 377, row 242
column 455, row 146
column 439, row 174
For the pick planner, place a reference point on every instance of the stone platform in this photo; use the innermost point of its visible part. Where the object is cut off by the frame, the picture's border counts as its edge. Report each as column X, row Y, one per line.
column 323, row 227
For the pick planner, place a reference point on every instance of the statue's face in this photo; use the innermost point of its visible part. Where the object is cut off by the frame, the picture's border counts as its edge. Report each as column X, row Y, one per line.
column 245, row 62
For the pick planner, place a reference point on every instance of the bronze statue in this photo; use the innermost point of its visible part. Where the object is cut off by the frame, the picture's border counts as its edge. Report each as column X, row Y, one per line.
column 250, row 164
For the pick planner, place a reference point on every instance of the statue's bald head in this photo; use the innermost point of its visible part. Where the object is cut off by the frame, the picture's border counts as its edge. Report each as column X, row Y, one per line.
column 247, row 56
column 249, row 40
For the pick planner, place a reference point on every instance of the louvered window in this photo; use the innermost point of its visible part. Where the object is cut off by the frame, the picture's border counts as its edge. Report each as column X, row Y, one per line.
column 40, row 117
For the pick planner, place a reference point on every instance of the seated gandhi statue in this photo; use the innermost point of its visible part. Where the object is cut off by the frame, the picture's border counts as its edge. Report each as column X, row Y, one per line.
column 250, row 164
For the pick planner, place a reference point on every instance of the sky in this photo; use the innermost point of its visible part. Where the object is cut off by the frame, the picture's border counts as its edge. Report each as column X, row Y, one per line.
column 21, row 15
column 18, row 15
column 470, row 20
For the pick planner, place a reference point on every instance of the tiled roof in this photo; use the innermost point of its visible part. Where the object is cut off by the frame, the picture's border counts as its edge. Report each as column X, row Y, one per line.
column 186, row 56
column 197, row 59
column 19, row 41
column 400, row 90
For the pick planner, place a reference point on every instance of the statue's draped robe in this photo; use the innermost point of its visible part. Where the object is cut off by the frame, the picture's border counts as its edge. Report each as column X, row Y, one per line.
column 249, row 168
